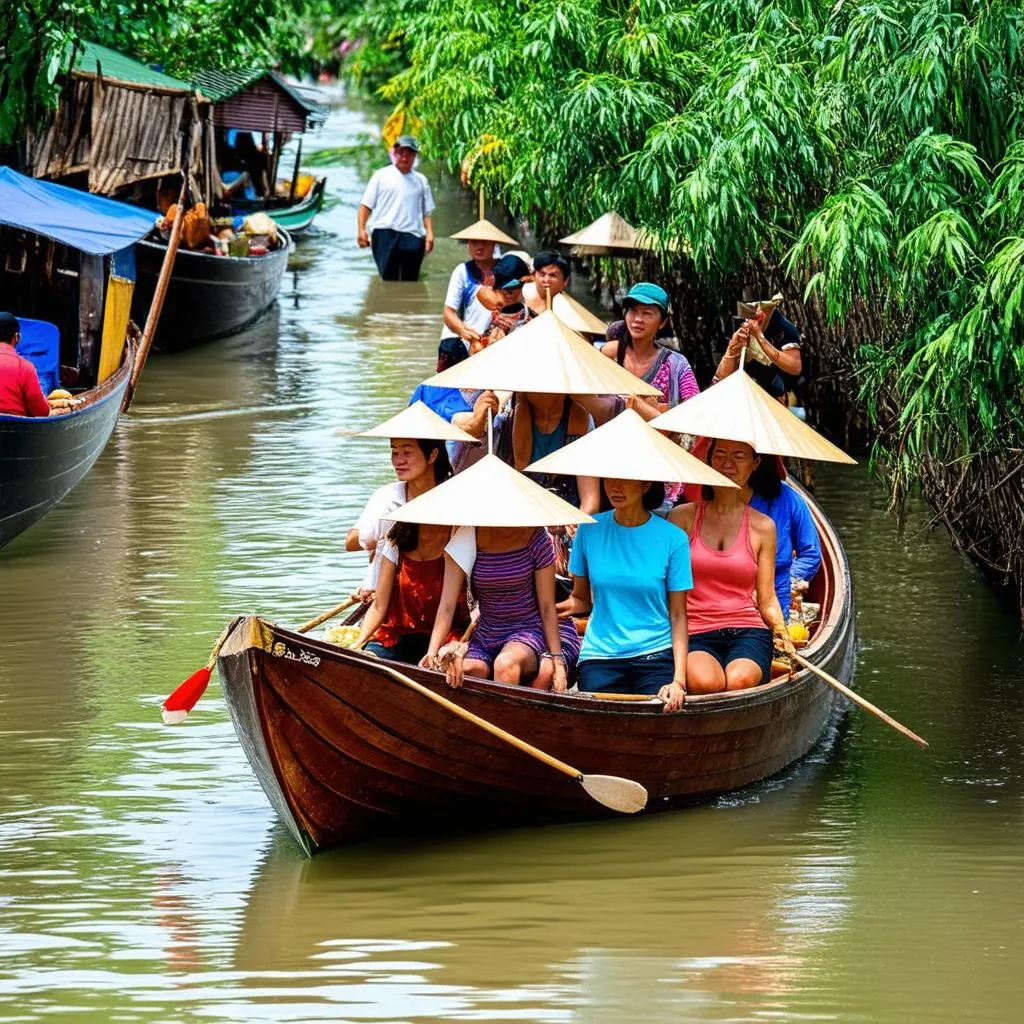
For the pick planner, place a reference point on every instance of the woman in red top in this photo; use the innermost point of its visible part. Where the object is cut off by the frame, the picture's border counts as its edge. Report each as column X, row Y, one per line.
column 399, row 622
column 732, row 610
column 20, row 394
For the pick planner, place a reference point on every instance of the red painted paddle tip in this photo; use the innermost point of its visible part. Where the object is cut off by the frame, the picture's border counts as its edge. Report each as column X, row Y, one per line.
column 185, row 697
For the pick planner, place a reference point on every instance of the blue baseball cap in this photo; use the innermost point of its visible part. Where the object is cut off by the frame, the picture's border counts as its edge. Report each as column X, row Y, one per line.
column 509, row 272
column 646, row 294
column 407, row 142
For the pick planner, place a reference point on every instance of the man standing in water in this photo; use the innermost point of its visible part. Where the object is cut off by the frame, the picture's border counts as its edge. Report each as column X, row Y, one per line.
column 402, row 206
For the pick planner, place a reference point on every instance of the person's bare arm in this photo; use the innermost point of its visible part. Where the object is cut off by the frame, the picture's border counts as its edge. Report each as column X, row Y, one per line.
column 544, row 586
column 428, row 223
column 381, row 599
column 362, row 236
column 674, row 692
column 475, row 422
column 767, row 601
column 455, row 323
column 580, row 601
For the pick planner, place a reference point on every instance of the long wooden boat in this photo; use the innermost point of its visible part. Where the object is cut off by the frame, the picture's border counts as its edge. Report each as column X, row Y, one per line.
column 344, row 752
column 293, row 217
column 41, row 459
column 209, row 296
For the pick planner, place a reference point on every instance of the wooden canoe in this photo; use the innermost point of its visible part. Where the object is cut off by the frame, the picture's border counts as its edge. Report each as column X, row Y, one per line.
column 209, row 296
column 343, row 752
column 41, row 459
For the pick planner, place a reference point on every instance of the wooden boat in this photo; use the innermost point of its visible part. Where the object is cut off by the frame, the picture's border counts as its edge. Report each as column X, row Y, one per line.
column 293, row 217
column 67, row 275
column 42, row 459
column 344, row 752
column 209, row 296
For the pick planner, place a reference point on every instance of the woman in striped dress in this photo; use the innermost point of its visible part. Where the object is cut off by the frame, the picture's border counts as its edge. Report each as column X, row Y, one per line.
column 518, row 637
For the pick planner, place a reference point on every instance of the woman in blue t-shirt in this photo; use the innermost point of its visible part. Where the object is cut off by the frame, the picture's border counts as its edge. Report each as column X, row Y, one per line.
column 631, row 571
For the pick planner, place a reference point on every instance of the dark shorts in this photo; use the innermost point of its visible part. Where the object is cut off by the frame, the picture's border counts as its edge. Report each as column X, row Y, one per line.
column 643, row 673
column 409, row 648
column 725, row 645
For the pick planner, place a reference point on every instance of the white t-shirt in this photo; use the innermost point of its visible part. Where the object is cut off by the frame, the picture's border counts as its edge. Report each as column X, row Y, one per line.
column 398, row 201
column 461, row 297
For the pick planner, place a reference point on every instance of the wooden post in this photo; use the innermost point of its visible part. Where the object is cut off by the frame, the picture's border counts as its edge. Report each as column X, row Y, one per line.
column 90, row 315
column 481, row 217
column 295, row 173
column 159, row 295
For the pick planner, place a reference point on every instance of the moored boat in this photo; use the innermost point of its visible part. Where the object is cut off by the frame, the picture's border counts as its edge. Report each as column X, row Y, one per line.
column 67, row 276
column 42, row 459
column 344, row 752
column 209, row 296
column 294, row 217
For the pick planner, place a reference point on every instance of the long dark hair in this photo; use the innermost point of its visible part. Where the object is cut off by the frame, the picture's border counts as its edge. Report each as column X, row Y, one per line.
column 765, row 481
column 406, row 536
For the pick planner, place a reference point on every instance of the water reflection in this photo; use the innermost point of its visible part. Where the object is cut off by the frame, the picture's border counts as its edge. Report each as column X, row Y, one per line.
column 142, row 874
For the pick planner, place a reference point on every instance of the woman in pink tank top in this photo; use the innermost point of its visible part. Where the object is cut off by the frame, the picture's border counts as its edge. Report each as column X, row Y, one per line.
column 732, row 610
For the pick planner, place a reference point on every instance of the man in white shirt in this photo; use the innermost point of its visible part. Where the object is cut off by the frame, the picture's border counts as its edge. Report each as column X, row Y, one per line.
column 402, row 228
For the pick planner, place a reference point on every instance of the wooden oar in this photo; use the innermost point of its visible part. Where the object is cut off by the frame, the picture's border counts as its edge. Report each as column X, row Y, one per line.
column 622, row 795
column 859, row 700
column 336, row 610
column 177, row 706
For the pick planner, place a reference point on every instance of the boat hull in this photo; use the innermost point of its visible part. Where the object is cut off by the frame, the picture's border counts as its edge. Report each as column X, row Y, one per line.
column 209, row 296
column 345, row 752
column 42, row 459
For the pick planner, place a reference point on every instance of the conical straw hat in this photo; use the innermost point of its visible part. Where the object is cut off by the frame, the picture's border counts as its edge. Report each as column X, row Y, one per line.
column 421, row 422
column 740, row 410
column 543, row 356
column 626, row 448
column 573, row 314
column 484, row 231
column 609, row 231
column 489, row 493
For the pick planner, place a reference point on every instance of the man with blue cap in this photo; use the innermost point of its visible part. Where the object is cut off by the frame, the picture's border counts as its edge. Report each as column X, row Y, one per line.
column 399, row 200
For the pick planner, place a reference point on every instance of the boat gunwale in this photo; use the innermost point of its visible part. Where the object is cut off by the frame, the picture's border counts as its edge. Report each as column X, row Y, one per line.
column 94, row 397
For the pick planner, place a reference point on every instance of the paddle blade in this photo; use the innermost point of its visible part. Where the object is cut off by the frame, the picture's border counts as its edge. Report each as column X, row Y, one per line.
column 185, row 697
column 621, row 795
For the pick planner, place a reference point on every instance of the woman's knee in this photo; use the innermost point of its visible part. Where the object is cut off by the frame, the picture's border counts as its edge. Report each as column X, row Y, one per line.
column 475, row 667
column 508, row 667
column 704, row 674
column 742, row 673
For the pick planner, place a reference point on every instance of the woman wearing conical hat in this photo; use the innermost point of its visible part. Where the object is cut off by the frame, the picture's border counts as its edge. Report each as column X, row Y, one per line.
column 464, row 319
column 732, row 611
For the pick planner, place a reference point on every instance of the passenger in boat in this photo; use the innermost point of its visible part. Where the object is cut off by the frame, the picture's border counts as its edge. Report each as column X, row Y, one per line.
column 646, row 313
column 20, row 393
column 511, row 272
column 542, row 424
column 419, row 465
column 398, row 624
column 551, row 272
column 518, row 637
column 465, row 320
column 645, row 310
column 402, row 205
column 779, row 339
column 797, row 548
column 732, row 609
column 631, row 572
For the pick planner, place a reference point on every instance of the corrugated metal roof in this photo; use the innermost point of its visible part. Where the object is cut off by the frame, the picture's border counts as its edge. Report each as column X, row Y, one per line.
column 222, row 85
column 123, row 69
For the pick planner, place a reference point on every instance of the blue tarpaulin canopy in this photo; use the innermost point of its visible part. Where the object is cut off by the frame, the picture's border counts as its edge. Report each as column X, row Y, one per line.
column 86, row 222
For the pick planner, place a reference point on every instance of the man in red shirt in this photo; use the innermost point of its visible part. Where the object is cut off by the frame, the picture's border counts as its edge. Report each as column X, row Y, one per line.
column 20, row 393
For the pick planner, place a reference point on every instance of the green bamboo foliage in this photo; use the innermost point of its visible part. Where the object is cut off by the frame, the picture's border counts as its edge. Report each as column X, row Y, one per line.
column 869, row 149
